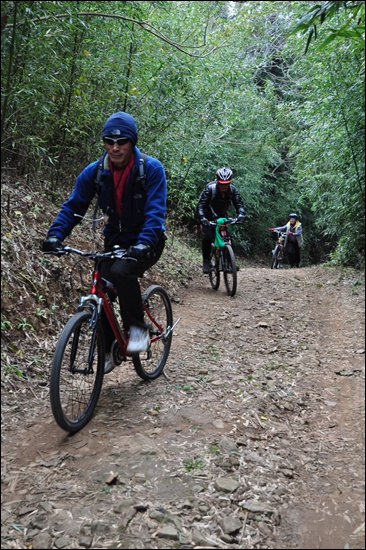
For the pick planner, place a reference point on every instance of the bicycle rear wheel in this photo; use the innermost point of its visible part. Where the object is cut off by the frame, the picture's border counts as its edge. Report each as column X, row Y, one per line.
column 214, row 273
column 229, row 269
column 159, row 316
column 77, row 372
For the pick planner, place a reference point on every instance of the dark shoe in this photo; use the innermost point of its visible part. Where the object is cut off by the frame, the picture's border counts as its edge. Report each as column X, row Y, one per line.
column 109, row 364
column 206, row 266
column 139, row 340
column 113, row 358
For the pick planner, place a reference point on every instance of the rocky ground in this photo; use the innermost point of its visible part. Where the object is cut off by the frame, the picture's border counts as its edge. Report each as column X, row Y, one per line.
column 253, row 438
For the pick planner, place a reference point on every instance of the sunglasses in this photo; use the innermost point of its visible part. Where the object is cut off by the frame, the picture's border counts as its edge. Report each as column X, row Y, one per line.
column 119, row 141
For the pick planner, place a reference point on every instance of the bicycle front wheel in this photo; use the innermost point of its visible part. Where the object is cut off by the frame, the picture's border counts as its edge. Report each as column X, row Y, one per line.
column 229, row 269
column 275, row 258
column 159, row 316
column 77, row 372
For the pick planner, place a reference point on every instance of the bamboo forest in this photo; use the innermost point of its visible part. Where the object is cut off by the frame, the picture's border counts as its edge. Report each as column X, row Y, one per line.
column 168, row 381
column 274, row 90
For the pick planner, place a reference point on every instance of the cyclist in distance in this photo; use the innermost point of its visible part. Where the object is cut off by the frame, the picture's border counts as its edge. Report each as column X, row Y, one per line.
column 214, row 202
column 135, row 209
column 294, row 239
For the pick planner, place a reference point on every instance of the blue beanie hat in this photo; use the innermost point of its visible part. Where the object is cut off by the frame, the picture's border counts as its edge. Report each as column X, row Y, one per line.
column 121, row 125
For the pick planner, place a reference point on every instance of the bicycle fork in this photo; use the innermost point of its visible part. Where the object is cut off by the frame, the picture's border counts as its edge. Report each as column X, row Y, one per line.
column 91, row 353
column 87, row 302
column 169, row 330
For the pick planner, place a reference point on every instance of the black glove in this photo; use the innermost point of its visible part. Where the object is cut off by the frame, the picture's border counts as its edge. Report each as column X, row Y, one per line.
column 204, row 221
column 138, row 252
column 52, row 244
column 240, row 218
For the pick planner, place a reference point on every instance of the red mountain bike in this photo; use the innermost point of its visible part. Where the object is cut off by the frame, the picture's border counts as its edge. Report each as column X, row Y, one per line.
column 78, row 363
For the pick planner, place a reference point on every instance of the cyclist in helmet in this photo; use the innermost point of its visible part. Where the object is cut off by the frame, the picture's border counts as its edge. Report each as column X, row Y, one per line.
column 294, row 240
column 214, row 202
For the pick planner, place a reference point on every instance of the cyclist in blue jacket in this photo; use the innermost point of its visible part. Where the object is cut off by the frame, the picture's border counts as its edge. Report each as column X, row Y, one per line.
column 135, row 209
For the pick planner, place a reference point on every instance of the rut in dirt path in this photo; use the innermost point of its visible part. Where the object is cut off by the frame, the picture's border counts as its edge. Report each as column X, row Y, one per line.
column 253, row 439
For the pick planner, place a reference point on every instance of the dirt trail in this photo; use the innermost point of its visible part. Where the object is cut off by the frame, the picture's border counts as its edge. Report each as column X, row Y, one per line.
column 253, row 439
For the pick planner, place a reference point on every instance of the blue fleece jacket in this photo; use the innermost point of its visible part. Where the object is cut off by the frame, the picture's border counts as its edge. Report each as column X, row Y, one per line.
column 144, row 204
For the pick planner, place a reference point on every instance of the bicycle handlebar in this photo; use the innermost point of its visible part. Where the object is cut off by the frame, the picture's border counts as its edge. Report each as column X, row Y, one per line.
column 228, row 221
column 278, row 232
column 65, row 250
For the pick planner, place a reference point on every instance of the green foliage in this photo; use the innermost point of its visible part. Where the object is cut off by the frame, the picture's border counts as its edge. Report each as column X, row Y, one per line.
column 41, row 313
column 352, row 25
column 210, row 84
column 24, row 325
column 193, row 464
column 328, row 151
column 5, row 325
column 13, row 369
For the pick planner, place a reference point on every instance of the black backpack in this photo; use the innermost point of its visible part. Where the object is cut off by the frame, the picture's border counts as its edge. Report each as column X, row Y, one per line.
column 98, row 184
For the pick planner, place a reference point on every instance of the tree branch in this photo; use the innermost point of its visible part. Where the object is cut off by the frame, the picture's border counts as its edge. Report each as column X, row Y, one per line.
column 143, row 24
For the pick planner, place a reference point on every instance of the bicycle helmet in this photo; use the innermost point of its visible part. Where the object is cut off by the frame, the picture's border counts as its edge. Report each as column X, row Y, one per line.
column 293, row 215
column 224, row 175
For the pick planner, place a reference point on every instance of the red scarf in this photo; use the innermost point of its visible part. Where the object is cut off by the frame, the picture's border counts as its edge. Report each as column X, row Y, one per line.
column 120, row 178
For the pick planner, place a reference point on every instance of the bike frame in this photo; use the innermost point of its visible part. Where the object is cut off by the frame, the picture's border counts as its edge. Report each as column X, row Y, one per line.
column 79, row 365
column 280, row 247
column 281, row 240
column 219, row 256
column 100, row 299
column 224, row 233
column 278, row 253
column 223, row 258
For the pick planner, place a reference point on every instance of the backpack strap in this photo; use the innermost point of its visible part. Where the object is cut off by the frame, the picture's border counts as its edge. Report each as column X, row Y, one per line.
column 213, row 190
column 213, row 193
column 98, row 187
column 101, row 166
column 104, row 166
column 141, row 178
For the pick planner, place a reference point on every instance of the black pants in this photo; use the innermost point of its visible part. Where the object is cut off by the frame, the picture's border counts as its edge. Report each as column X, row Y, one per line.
column 208, row 235
column 293, row 253
column 124, row 275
